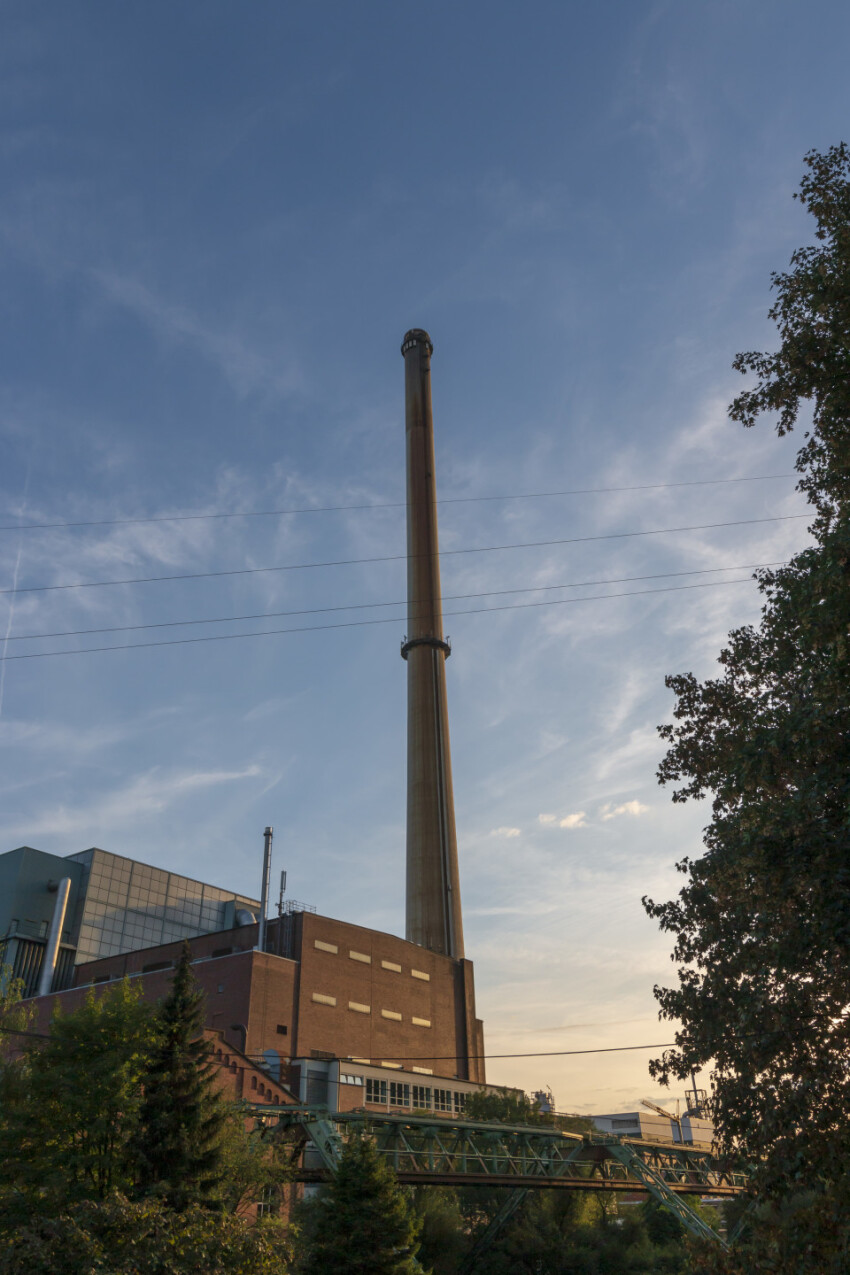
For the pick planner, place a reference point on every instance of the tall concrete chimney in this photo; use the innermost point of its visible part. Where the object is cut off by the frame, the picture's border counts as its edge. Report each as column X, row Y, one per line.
column 433, row 888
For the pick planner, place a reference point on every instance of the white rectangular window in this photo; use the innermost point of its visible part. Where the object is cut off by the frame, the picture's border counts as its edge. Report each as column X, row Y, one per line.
column 460, row 1103
column 422, row 1097
column 442, row 1099
column 376, row 1090
column 399, row 1094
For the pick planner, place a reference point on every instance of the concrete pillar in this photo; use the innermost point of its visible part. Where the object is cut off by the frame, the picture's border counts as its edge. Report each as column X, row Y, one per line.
column 433, row 888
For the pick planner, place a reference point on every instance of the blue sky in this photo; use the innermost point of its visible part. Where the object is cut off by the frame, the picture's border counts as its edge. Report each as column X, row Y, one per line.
column 216, row 223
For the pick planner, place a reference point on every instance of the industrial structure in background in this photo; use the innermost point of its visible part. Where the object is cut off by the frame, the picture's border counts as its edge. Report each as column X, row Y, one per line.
column 304, row 1009
column 338, row 1013
column 433, row 883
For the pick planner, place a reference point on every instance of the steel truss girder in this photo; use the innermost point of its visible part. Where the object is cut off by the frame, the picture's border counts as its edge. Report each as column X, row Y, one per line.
column 662, row 1191
column 428, row 1150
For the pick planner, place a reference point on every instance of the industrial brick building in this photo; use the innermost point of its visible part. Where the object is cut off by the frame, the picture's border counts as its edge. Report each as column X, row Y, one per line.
column 337, row 1013
column 332, row 1011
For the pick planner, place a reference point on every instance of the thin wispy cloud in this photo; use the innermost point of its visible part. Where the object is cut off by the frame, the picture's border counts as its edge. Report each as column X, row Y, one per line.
column 632, row 808
column 245, row 367
column 175, row 350
column 11, row 599
column 147, row 795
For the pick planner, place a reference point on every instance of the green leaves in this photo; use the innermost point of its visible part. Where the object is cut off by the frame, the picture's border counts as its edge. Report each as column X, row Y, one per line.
column 69, row 1105
column 143, row 1238
column 762, row 926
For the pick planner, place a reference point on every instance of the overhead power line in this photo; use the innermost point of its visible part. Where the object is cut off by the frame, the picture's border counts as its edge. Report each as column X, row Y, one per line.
column 554, row 1053
column 398, row 602
column 389, row 504
column 400, row 557
column 354, row 624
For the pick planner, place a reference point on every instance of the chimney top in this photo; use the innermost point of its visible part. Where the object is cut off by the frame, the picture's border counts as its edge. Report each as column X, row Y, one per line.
column 416, row 336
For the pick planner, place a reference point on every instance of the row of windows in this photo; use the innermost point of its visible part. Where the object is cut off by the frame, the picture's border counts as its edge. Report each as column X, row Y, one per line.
column 322, row 946
column 321, row 998
column 398, row 1093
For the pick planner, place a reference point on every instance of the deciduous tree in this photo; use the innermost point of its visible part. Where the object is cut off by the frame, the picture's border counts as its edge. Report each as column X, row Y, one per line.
column 68, row 1105
column 762, row 925
column 119, row 1237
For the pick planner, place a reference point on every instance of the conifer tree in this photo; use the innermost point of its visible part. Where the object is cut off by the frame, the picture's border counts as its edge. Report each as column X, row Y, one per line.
column 363, row 1222
column 178, row 1146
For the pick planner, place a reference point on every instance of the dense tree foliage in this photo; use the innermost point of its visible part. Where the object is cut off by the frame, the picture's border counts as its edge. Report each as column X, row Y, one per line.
column 119, row 1237
column 69, row 1104
column 362, row 1222
column 552, row 1233
column 762, row 926
column 14, row 1014
column 506, row 1106
column 178, row 1144
column 75, row 1114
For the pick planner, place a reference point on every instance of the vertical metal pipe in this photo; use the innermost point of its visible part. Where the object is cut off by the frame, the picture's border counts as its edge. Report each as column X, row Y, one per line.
column 264, row 893
column 54, row 937
column 433, row 886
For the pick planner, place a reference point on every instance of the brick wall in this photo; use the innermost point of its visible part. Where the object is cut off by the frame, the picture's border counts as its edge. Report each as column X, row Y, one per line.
column 391, row 999
column 352, row 992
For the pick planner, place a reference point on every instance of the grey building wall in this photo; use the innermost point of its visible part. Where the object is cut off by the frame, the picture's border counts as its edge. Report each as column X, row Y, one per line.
column 128, row 905
column 116, row 905
column 28, row 881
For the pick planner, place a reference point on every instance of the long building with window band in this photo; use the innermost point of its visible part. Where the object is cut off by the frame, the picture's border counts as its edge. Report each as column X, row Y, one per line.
column 340, row 1014
column 114, row 905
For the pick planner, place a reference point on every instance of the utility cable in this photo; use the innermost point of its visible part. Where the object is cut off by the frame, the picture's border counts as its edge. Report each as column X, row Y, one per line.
column 365, row 606
column 352, row 624
column 401, row 557
column 557, row 1053
column 550, row 1053
column 390, row 504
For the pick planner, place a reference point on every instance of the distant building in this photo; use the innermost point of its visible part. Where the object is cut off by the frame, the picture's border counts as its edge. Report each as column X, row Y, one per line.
column 649, row 1127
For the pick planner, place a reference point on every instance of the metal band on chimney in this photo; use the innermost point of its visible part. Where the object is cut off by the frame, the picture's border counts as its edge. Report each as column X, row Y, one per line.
column 440, row 645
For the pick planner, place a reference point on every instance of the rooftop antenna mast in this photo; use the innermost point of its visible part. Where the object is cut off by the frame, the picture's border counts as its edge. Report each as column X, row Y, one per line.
column 264, row 895
column 280, row 913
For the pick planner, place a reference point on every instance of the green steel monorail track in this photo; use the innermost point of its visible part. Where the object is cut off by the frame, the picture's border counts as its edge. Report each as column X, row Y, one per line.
column 430, row 1151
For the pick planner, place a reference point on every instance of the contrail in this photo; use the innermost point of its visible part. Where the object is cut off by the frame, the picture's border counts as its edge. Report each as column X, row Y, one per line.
column 11, row 615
